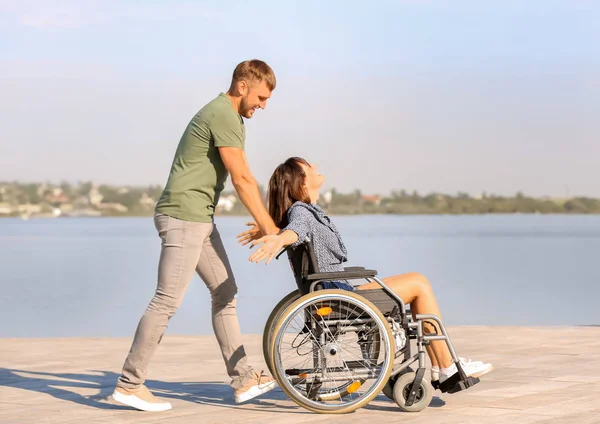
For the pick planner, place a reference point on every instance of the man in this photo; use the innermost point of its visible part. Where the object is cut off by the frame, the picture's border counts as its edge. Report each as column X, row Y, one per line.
column 211, row 147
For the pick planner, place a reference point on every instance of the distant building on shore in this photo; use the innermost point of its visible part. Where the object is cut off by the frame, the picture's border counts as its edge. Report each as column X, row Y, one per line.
column 94, row 196
column 374, row 199
column 6, row 208
column 116, row 207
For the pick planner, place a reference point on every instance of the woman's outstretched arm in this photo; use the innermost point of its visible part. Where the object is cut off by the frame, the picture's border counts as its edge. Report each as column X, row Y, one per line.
column 269, row 246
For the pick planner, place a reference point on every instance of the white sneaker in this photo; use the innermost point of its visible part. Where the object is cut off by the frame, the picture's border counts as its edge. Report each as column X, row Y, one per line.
column 435, row 371
column 140, row 398
column 471, row 369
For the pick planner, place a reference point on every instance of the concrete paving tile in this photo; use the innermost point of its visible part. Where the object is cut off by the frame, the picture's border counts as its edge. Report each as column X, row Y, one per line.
column 543, row 374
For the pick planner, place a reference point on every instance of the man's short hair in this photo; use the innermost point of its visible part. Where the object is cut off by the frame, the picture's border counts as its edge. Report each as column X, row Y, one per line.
column 254, row 71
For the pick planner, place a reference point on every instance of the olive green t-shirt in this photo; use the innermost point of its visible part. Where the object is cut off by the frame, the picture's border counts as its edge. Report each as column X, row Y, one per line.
column 197, row 174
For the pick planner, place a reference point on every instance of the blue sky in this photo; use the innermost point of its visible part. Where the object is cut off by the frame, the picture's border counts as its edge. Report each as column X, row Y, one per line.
column 446, row 96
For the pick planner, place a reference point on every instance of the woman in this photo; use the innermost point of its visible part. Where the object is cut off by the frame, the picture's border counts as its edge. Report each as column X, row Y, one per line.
column 292, row 201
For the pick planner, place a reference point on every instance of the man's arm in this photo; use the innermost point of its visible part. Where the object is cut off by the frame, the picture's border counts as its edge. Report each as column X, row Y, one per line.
column 246, row 187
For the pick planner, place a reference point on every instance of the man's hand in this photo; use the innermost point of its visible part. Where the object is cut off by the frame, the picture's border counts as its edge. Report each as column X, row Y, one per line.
column 268, row 248
column 250, row 235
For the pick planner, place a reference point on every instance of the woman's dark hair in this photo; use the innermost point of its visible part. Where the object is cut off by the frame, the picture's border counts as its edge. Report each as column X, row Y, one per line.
column 286, row 187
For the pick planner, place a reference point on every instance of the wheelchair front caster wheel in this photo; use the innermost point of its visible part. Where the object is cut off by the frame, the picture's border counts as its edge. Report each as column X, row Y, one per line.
column 388, row 389
column 402, row 389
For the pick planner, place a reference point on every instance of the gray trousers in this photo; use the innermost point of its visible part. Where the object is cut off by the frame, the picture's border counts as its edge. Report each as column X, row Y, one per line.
column 188, row 247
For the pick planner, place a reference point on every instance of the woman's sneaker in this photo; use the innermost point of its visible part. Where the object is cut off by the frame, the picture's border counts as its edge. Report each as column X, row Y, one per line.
column 471, row 369
column 140, row 398
column 435, row 371
column 259, row 384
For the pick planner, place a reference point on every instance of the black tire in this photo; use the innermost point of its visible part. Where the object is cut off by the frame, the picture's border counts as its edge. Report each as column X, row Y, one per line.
column 402, row 388
column 388, row 389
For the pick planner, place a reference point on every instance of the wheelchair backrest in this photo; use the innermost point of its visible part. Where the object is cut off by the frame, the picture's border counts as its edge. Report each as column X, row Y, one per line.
column 303, row 262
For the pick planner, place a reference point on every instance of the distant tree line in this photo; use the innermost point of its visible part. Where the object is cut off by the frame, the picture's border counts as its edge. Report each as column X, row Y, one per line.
column 402, row 202
column 140, row 200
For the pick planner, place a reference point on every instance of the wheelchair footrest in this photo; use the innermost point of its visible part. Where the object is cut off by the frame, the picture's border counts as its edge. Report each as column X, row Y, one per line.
column 465, row 384
column 455, row 384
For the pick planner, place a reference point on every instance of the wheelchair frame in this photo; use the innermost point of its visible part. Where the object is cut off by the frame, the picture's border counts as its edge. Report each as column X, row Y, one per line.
column 306, row 272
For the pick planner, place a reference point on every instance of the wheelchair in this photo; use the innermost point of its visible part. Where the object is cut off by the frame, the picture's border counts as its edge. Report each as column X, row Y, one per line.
column 333, row 351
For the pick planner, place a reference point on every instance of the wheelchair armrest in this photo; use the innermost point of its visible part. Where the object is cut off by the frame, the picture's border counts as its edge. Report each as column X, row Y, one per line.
column 354, row 268
column 342, row 275
column 283, row 251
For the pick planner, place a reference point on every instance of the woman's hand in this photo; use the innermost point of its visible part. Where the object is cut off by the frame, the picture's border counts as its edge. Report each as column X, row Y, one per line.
column 250, row 235
column 268, row 248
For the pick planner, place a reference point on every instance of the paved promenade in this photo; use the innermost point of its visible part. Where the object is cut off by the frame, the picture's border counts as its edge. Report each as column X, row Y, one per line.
column 547, row 375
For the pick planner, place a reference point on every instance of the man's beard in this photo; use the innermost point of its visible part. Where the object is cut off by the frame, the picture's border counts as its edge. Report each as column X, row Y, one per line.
column 244, row 107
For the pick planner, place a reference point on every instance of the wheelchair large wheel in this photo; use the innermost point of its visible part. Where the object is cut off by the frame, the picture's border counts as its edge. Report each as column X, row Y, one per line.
column 332, row 351
column 269, row 325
